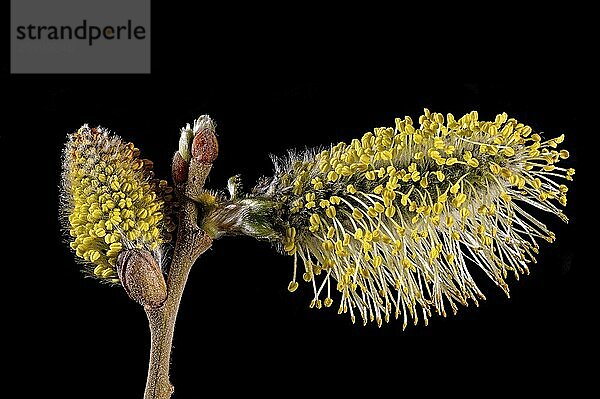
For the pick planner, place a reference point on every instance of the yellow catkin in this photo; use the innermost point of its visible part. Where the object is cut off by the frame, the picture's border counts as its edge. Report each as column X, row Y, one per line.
column 395, row 209
column 110, row 200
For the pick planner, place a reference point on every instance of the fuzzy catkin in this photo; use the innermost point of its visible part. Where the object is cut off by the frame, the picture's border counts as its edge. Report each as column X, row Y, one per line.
column 394, row 220
column 111, row 202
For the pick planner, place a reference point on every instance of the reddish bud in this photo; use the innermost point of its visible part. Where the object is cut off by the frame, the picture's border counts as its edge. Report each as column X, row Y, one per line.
column 179, row 169
column 205, row 147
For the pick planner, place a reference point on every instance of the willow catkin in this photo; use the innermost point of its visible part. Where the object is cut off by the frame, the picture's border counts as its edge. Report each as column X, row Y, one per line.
column 395, row 220
column 110, row 201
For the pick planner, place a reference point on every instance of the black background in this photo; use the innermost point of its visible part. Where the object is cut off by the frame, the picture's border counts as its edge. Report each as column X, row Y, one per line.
column 270, row 87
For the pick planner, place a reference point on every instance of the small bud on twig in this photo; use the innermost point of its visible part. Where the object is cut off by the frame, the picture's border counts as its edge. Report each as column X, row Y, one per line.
column 185, row 142
column 141, row 277
column 205, row 147
column 198, row 148
column 179, row 169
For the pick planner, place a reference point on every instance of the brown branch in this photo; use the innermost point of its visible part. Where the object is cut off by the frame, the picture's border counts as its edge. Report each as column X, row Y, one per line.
column 191, row 243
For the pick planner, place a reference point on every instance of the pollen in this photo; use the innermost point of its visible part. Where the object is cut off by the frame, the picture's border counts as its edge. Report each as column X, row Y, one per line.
column 110, row 200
